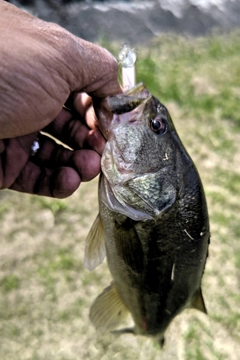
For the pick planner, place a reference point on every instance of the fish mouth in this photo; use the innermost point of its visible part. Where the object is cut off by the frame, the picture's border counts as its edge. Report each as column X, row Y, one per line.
column 129, row 100
column 121, row 108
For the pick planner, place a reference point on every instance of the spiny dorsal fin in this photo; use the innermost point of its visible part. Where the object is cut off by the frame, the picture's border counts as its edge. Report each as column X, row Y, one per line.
column 95, row 250
column 198, row 302
column 108, row 311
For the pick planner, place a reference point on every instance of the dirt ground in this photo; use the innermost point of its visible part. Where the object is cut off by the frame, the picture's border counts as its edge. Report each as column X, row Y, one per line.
column 46, row 293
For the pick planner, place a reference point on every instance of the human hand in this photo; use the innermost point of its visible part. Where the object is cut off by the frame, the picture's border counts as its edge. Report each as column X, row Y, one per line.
column 41, row 64
column 54, row 170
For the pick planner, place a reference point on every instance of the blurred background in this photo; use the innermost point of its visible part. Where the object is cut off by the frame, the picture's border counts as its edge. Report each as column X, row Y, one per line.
column 136, row 20
column 188, row 56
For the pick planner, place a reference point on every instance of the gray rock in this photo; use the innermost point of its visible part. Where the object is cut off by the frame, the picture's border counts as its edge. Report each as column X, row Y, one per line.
column 134, row 21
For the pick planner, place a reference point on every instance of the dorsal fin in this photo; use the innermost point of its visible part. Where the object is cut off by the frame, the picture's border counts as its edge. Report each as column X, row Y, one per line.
column 198, row 301
column 95, row 250
column 108, row 311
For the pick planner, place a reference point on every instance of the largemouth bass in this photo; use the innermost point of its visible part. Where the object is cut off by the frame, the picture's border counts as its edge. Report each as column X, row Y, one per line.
column 153, row 220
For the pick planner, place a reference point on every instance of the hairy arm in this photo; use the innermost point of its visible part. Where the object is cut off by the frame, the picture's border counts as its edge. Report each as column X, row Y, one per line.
column 41, row 64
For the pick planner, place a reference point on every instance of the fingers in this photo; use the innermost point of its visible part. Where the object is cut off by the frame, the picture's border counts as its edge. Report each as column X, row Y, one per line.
column 73, row 132
column 51, row 155
column 53, row 171
column 99, row 120
column 83, row 105
column 13, row 156
column 59, row 183
column 56, row 171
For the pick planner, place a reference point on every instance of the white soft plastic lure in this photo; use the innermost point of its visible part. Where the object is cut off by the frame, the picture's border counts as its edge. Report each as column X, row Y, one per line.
column 127, row 58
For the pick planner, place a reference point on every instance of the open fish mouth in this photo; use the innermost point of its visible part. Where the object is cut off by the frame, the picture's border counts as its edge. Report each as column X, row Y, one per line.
column 109, row 109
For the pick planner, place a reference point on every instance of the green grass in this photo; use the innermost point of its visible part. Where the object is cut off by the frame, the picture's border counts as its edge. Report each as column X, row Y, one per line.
column 55, row 205
column 202, row 75
column 9, row 282
column 45, row 291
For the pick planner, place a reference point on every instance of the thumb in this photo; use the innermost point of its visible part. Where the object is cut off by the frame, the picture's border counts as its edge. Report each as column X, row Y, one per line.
column 95, row 70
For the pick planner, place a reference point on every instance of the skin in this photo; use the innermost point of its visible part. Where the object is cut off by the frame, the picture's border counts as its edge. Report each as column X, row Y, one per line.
column 41, row 67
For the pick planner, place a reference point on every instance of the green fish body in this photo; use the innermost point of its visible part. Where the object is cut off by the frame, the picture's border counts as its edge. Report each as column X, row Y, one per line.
column 153, row 221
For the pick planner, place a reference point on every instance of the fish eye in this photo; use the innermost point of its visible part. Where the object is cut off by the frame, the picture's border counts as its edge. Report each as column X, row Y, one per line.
column 158, row 125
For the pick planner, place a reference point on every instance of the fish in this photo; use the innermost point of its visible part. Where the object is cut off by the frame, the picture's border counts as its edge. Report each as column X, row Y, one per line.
column 153, row 223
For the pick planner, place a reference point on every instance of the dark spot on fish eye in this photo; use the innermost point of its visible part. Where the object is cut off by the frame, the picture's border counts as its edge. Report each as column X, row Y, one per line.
column 158, row 125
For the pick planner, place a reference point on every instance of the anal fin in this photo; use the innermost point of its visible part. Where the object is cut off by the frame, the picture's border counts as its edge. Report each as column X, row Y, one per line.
column 108, row 311
column 198, row 301
column 95, row 250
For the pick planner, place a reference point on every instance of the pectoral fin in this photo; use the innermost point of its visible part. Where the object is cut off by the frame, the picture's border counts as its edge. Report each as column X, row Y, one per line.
column 198, row 302
column 129, row 247
column 95, row 250
column 108, row 311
